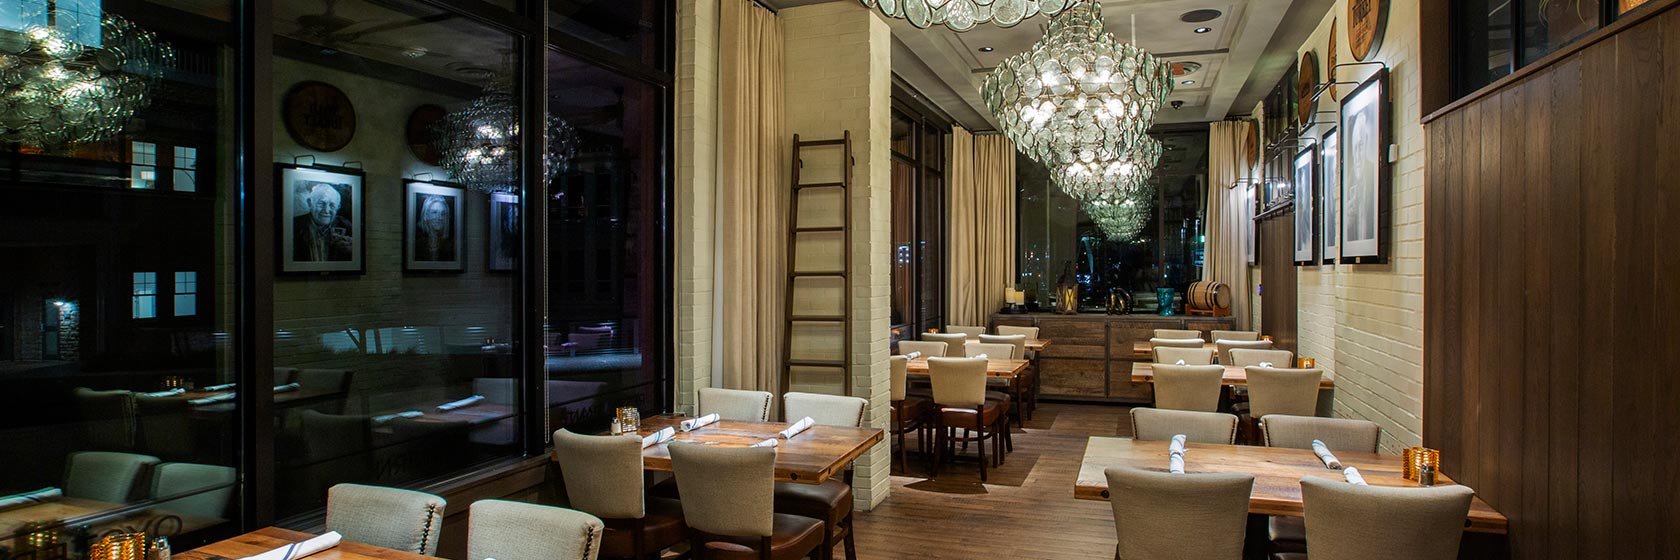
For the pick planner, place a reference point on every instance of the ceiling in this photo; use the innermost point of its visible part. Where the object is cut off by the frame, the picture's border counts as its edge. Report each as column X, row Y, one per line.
column 1250, row 41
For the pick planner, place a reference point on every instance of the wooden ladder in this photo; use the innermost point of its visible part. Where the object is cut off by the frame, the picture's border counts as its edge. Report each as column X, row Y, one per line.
column 843, row 319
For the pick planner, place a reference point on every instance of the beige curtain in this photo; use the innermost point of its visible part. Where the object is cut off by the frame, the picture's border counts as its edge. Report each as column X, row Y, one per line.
column 982, row 236
column 752, row 196
column 1228, row 223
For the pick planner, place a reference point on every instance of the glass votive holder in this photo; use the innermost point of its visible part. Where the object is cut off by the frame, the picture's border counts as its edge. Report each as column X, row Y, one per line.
column 1413, row 459
column 122, row 546
column 1306, row 363
column 629, row 419
column 1266, row 337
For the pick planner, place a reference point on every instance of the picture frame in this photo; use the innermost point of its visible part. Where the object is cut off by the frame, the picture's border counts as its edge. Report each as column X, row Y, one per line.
column 434, row 227
column 1304, row 182
column 1367, row 175
column 1251, row 241
column 1330, row 199
column 322, row 219
column 504, row 227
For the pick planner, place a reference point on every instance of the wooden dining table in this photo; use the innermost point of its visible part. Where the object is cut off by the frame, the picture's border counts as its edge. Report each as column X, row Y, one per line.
column 1146, row 350
column 996, row 368
column 1144, row 372
column 811, row 457
column 99, row 515
column 1277, row 473
column 270, row 538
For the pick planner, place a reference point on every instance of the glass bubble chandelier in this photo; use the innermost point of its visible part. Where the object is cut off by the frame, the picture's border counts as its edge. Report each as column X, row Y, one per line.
column 1103, row 178
column 1122, row 218
column 79, row 79
column 963, row 15
column 1078, row 95
column 480, row 143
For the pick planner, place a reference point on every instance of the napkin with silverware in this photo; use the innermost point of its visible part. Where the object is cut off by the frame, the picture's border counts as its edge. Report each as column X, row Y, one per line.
column 663, row 435
column 300, row 549
column 1175, row 454
column 692, row 424
column 1324, row 454
column 797, row 427
column 1353, row 476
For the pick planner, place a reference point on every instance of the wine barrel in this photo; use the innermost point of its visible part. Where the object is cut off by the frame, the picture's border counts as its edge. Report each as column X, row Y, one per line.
column 1209, row 295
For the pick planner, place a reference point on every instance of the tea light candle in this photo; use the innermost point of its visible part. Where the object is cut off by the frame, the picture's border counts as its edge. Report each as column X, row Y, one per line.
column 1306, row 363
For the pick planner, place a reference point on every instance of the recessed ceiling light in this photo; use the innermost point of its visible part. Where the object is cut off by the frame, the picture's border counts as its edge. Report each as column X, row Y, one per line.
column 986, row 49
column 1188, row 82
column 1203, row 29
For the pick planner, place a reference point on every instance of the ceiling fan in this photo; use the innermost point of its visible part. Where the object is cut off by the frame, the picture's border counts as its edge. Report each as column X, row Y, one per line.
column 333, row 32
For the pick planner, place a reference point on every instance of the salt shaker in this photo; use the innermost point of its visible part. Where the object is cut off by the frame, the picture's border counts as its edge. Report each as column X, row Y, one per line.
column 159, row 549
column 1426, row 475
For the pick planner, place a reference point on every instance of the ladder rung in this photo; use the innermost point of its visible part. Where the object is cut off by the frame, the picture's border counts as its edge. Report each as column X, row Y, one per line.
column 817, row 363
column 818, row 318
column 809, row 143
column 820, row 185
column 819, row 229
column 831, row 274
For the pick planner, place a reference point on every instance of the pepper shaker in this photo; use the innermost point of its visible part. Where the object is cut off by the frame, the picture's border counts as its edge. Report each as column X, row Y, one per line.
column 159, row 549
column 1426, row 475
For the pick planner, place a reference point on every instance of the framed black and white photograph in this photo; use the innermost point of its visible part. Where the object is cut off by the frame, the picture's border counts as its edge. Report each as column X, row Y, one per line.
column 434, row 232
column 1250, row 210
column 1330, row 199
column 322, row 219
column 1366, row 172
column 1306, row 232
column 504, row 231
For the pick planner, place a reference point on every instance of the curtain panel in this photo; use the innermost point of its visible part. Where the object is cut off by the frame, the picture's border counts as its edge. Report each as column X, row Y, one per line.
column 982, row 215
column 1229, row 227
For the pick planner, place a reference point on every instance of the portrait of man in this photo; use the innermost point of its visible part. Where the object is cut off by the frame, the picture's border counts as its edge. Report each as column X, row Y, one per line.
column 433, row 227
column 1363, row 169
column 322, row 226
column 321, row 233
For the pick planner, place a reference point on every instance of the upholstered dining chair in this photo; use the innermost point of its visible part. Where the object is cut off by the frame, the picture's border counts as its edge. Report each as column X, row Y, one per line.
column 960, row 402
column 1289, row 534
column 166, row 427
column 996, row 387
column 909, row 412
column 1282, row 391
column 107, row 418
column 1178, row 333
column 1195, row 356
column 1235, row 335
column 1029, row 332
column 1162, row 515
column 105, row 476
column 1177, row 343
column 1225, row 347
column 603, row 477
column 202, row 491
column 967, row 331
column 994, row 351
column 389, row 517
column 507, row 530
column 1357, row 521
column 831, row 501
column 1027, row 400
column 1195, row 388
column 1244, row 357
column 728, row 499
column 1018, row 341
column 1154, row 424
column 954, row 340
column 736, row 404
column 927, row 348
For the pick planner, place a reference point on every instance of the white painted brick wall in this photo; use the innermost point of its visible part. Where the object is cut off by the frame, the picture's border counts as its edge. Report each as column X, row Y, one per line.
column 696, row 195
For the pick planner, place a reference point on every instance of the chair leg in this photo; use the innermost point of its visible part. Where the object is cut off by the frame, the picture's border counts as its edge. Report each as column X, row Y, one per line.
column 851, row 544
column 980, row 447
column 828, row 542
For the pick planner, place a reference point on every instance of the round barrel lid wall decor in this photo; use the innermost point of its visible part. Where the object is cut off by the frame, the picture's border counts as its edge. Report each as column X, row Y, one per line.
column 1306, row 82
column 319, row 116
column 1365, row 22
column 1330, row 65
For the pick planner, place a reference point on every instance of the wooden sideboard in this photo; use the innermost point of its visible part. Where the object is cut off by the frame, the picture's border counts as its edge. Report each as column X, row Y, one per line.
column 1090, row 355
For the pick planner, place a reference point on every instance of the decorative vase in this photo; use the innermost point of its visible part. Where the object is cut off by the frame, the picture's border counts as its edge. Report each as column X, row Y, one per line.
column 1165, row 297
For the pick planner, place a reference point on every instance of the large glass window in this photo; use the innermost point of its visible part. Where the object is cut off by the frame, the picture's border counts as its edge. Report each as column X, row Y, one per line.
column 1492, row 39
column 918, row 220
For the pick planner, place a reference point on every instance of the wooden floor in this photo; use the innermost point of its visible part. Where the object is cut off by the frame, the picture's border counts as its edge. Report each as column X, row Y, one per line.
column 1025, row 510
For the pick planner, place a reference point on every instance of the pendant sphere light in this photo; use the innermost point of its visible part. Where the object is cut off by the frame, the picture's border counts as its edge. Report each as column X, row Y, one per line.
column 963, row 15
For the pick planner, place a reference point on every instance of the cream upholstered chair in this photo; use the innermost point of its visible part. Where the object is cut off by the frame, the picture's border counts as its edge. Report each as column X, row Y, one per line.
column 1026, row 400
column 928, row 348
column 507, row 530
column 192, row 489
column 393, row 518
column 1162, row 515
column 959, row 394
column 728, row 496
column 991, row 350
column 1019, row 341
column 1355, row 521
column 107, row 418
column 954, row 340
column 1282, row 391
column 831, row 501
column 909, row 411
column 1177, row 342
column 603, row 476
column 1029, row 332
column 1197, row 356
column 1187, row 387
column 104, row 476
column 735, row 404
column 1225, row 347
column 1154, row 424
column 1235, row 335
column 1289, row 534
column 1179, row 333
column 967, row 331
column 1244, row 357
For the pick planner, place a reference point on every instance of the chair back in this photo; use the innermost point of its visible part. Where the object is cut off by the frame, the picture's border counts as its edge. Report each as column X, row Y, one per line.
column 735, row 404
column 1225, row 347
column 1339, row 434
column 1179, row 333
column 393, row 518
column 332, row 436
column 1187, row 387
column 1355, row 521
column 1029, row 332
column 1244, row 357
column 603, row 474
column 1197, row 356
column 825, row 410
column 104, row 476
column 1283, row 391
column 1235, row 335
column 1154, row 424
column 1019, row 341
column 900, row 377
column 1163, row 515
column 726, row 490
column 507, row 530
column 952, row 340
column 991, row 350
column 967, row 331
column 165, row 429
column 108, row 418
column 928, row 348
column 193, row 489
column 958, row 381
column 1177, row 343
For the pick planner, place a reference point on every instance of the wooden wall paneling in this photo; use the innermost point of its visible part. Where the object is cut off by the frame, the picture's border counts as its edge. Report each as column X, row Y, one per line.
column 1598, row 245
column 1278, row 302
column 1073, row 377
column 1567, row 305
column 1513, row 235
column 1537, row 319
column 1666, row 302
column 1074, row 337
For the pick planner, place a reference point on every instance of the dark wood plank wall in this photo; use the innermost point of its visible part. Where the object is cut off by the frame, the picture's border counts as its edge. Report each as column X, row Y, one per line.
column 1278, row 296
column 1552, row 318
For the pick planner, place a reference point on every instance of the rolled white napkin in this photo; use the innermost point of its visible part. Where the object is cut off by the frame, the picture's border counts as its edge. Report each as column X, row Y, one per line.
column 213, row 399
column 768, row 443
column 463, row 403
column 386, row 418
column 692, row 424
column 1353, row 477
column 219, row 388
column 37, row 496
column 168, row 393
column 913, row 355
column 1324, row 454
column 1177, row 445
column 1180, row 363
column 797, row 427
column 287, row 388
column 981, row 356
column 300, row 549
column 1264, row 364
column 663, row 435
column 1175, row 464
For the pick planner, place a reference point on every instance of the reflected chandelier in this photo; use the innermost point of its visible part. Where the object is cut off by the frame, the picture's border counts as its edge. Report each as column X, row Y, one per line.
column 480, row 143
column 1106, row 178
column 1078, row 95
column 963, row 15
column 74, row 81
column 1122, row 218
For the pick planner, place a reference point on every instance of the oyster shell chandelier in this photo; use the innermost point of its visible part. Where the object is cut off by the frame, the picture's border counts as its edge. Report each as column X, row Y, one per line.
column 1078, row 95
column 1106, row 178
column 963, row 15
column 79, row 78
column 480, row 143
column 1122, row 218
